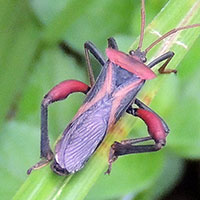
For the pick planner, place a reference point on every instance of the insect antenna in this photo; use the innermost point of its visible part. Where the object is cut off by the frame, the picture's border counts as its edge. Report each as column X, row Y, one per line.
column 142, row 25
column 168, row 34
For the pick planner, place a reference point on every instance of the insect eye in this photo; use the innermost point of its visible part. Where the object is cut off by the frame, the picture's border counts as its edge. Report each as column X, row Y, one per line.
column 144, row 59
column 131, row 52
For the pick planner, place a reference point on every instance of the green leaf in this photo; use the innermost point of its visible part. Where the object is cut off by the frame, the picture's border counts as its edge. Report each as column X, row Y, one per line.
column 14, row 159
column 185, row 119
column 61, row 20
column 58, row 26
column 44, row 184
column 172, row 171
column 47, row 10
column 18, row 40
column 131, row 174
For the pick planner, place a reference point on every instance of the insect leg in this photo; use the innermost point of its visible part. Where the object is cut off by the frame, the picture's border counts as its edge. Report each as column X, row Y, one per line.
column 157, row 129
column 120, row 149
column 140, row 104
column 167, row 56
column 57, row 93
column 90, row 47
column 112, row 43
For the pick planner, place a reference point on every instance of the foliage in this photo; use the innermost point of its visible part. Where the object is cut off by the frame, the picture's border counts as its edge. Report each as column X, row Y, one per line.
column 31, row 63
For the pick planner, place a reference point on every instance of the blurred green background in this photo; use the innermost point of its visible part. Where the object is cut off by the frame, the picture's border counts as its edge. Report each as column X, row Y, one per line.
column 31, row 63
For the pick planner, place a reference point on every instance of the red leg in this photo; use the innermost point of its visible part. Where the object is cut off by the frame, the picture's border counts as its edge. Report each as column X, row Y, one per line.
column 140, row 104
column 157, row 132
column 57, row 93
column 154, row 124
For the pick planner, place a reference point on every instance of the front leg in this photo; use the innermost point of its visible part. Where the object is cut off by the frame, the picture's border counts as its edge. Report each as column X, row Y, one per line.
column 157, row 130
column 90, row 47
column 167, row 57
column 57, row 93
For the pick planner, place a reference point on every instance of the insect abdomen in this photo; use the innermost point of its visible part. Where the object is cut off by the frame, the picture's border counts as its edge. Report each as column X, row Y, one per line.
column 83, row 136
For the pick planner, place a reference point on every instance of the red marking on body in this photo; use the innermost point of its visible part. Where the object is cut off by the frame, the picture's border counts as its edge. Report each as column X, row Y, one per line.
column 118, row 97
column 130, row 64
column 154, row 124
column 63, row 89
column 106, row 89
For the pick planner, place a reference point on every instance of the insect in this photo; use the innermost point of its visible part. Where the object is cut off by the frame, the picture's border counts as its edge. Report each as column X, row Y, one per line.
column 107, row 99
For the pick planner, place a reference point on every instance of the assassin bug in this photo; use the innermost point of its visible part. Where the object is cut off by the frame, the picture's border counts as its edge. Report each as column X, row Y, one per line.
column 109, row 97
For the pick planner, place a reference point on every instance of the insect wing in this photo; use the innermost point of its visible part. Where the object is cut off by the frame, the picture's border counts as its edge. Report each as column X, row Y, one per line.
column 82, row 137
